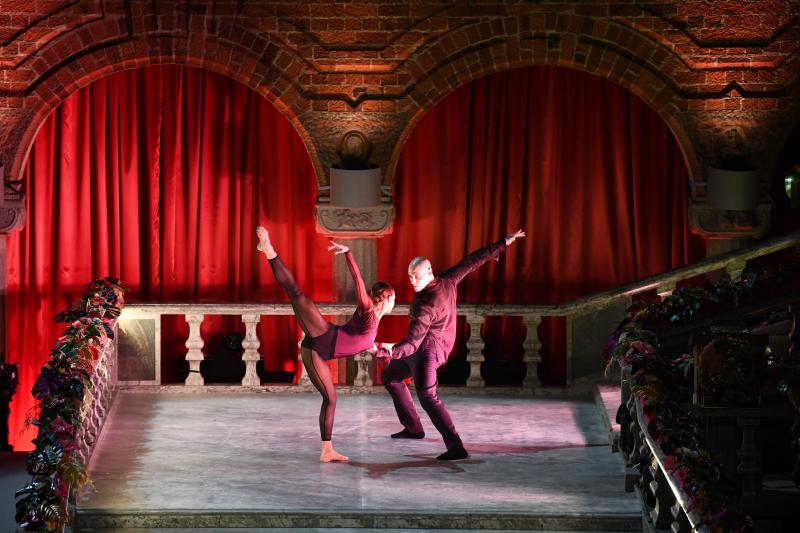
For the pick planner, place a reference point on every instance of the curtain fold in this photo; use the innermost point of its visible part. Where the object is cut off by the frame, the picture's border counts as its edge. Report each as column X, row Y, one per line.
column 159, row 176
column 588, row 170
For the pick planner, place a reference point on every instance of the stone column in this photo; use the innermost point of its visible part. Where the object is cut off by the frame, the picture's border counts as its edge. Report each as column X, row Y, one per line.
column 356, row 210
column 475, row 347
column 195, row 346
column 364, row 252
column 250, row 355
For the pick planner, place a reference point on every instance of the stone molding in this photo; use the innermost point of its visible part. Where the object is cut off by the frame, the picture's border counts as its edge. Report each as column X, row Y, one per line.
column 12, row 215
column 713, row 223
column 350, row 222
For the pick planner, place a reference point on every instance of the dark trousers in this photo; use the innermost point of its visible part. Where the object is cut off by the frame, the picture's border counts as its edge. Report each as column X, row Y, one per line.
column 422, row 367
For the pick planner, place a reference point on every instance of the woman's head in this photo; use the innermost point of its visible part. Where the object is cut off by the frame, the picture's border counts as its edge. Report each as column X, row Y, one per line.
column 382, row 295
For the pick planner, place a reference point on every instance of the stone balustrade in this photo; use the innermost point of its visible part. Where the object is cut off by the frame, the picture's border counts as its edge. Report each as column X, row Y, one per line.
column 588, row 321
column 96, row 410
column 251, row 315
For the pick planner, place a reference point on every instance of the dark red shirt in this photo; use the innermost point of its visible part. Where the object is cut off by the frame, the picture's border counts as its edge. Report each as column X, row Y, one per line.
column 433, row 310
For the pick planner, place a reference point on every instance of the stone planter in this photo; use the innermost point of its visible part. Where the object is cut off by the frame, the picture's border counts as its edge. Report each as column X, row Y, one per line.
column 355, row 188
column 734, row 190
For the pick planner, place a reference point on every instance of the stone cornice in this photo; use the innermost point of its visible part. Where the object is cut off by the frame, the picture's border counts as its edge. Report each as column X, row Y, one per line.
column 349, row 222
column 712, row 223
column 12, row 215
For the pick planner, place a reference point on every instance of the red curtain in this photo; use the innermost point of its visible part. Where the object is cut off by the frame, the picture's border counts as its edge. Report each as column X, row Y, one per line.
column 159, row 176
column 589, row 171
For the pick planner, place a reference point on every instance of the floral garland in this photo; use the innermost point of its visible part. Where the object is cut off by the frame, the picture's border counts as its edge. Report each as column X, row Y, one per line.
column 655, row 381
column 60, row 389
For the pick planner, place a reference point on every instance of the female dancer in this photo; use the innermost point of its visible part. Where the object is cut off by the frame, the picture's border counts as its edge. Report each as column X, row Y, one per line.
column 324, row 340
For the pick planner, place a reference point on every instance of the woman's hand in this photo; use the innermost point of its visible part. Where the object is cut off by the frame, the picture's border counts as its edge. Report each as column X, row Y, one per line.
column 337, row 248
column 511, row 237
column 384, row 349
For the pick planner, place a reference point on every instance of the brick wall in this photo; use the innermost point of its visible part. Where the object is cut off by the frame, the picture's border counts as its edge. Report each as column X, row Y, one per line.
column 722, row 74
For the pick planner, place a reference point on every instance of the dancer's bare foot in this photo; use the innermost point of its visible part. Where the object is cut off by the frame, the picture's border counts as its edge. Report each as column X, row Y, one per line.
column 329, row 454
column 264, row 244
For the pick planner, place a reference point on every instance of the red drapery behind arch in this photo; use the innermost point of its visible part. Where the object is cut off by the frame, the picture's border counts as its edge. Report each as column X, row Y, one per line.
column 591, row 173
column 159, row 176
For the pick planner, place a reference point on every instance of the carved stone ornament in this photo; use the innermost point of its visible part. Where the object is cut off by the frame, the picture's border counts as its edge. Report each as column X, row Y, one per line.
column 12, row 215
column 713, row 223
column 354, row 221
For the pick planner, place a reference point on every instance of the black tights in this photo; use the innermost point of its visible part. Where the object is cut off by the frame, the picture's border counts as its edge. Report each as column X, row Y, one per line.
column 313, row 325
column 320, row 376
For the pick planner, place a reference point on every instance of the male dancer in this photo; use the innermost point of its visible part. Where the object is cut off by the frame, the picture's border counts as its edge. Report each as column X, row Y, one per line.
column 428, row 341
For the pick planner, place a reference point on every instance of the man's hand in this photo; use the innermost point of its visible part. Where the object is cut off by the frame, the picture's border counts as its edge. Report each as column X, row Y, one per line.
column 511, row 237
column 384, row 349
column 337, row 248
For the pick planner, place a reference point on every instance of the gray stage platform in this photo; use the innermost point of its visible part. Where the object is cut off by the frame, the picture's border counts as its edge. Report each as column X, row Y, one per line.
column 251, row 460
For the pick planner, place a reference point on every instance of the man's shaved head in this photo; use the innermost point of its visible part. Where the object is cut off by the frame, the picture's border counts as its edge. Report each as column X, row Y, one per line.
column 420, row 273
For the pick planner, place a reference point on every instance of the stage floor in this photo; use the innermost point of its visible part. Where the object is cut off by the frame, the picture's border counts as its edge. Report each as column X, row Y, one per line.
column 179, row 460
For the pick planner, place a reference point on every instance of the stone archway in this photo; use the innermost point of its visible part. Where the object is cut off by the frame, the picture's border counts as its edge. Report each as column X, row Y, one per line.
column 43, row 95
column 572, row 41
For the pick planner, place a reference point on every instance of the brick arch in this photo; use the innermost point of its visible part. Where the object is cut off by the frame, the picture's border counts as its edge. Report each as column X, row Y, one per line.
column 640, row 65
column 72, row 76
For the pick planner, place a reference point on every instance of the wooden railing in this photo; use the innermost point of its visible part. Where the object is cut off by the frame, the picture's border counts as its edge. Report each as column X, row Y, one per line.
column 588, row 321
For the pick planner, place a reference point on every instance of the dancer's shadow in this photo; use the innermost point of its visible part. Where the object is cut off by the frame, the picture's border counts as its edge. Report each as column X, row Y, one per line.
column 378, row 470
column 514, row 449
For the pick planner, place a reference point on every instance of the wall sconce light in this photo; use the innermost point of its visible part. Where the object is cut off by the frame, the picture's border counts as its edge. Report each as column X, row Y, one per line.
column 792, row 184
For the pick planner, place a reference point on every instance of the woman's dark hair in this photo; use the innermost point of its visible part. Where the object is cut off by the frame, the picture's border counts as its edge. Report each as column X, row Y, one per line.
column 380, row 291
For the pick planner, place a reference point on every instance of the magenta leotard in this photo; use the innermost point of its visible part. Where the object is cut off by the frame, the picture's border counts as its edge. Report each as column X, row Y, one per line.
column 358, row 333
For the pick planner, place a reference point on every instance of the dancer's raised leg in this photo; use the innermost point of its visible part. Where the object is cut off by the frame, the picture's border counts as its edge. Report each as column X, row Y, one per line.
column 311, row 320
column 320, row 376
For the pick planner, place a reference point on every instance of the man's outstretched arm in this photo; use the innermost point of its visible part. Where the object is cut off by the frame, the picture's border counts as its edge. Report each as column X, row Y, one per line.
column 479, row 257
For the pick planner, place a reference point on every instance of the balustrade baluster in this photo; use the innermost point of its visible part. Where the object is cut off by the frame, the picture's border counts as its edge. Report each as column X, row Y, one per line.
column 250, row 355
column 363, row 379
column 664, row 499
column 475, row 347
column 531, row 356
column 680, row 522
column 194, row 345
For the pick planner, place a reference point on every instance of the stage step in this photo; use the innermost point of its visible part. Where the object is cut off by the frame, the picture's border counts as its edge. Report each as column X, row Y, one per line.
column 241, row 520
column 313, row 530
